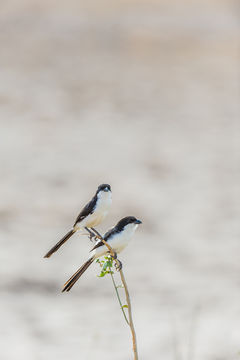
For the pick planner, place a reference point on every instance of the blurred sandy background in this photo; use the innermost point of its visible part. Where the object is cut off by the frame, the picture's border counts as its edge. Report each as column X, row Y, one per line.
column 143, row 95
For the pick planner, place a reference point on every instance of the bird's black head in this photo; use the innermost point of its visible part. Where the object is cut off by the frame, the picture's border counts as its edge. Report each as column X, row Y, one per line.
column 104, row 187
column 126, row 221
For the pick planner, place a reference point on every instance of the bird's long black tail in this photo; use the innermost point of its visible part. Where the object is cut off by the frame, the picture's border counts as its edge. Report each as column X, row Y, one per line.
column 60, row 243
column 69, row 284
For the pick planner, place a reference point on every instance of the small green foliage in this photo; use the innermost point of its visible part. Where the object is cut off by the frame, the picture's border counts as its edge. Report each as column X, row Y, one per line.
column 106, row 266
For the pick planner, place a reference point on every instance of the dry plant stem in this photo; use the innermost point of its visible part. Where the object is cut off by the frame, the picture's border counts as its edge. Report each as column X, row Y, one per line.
column 134, row 339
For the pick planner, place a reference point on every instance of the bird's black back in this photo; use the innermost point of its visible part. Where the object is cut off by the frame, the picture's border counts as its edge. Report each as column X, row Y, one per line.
column 87, row 210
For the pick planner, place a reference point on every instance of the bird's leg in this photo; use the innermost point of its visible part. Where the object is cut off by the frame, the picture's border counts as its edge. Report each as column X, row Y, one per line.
column 114, row 256
column 118, row 265
column 97, row 235
column 91, row 233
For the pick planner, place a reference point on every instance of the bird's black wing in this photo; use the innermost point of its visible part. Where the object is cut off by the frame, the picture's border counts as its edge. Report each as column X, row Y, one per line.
column 106, row 237
column 87, row 210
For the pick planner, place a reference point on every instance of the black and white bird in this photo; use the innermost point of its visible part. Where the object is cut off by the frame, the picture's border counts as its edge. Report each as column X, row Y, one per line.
column 91, row 215
column 118, row 238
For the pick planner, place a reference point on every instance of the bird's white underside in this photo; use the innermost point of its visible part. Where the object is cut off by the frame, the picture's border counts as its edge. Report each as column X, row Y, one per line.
column 104, row 202
column 118, row 242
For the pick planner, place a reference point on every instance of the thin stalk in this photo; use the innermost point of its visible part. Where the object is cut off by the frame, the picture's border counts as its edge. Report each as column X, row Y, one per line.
column 115, row 286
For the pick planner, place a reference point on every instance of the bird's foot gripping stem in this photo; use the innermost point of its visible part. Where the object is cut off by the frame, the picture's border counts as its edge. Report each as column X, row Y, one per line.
column 92, row 235
column 118, row 265
column 96, row 234
column 114, row 255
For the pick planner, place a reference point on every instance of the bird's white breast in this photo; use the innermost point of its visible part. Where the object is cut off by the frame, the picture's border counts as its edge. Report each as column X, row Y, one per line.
column 118, row 242
column 104, row 201
column 101, row 210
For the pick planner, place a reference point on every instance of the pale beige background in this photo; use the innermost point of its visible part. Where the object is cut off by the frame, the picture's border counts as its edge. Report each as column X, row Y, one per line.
column 143, row 95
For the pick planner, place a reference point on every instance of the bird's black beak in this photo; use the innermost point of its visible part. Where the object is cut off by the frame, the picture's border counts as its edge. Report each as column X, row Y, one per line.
column 138, row 222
